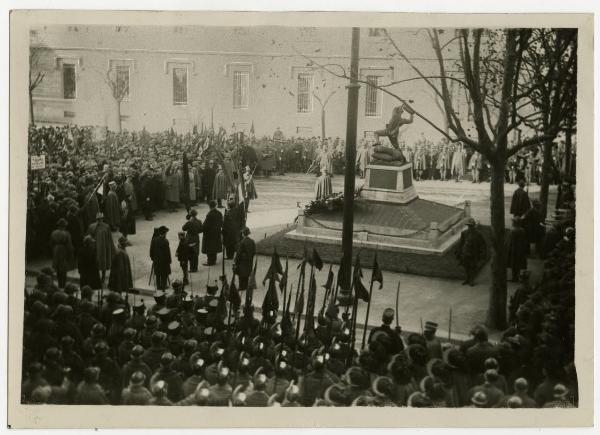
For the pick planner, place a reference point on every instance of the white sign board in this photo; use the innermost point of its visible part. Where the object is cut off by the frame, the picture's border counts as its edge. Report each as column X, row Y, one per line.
column 38, row 162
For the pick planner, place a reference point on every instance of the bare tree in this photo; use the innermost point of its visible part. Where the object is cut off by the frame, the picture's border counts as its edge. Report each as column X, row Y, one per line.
column 489, row 71
column 36, row 74
column 119, row 90
column 323, row 93
column 550, row 64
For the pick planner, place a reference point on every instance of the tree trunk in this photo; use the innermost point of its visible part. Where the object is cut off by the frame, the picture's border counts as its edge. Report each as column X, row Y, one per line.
column 496, row 316
column 546, row 175
column 31, row 119
column 567, row 175
column 323, row 122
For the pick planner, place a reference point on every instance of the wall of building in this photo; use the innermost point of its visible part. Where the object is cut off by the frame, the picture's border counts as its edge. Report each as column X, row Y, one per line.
column 273, row 82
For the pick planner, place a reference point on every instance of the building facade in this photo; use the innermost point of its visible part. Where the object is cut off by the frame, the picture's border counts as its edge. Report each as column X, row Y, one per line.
column 240, row 78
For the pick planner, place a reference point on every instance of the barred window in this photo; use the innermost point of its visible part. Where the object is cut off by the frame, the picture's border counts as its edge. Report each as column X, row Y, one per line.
column 69, row 82
column 305, row 92
column 241, row 83
column 123, row 80
column 373, row 97
column 179, row 86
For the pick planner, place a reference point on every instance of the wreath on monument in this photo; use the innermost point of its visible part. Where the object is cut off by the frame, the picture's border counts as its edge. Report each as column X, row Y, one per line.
column 330, row 203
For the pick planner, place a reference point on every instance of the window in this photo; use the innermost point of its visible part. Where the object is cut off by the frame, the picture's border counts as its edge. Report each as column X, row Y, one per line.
column 305, row 92
column 69, row 85
column 376, row 31
column 241, row 83
column 373, row 100
column 179, row 86
column 122, row 81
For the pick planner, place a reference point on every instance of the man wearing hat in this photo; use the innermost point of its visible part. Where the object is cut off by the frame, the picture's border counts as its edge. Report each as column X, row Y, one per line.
column 470, row 250
column 219, row 187
column 211, row 240
column 493, row 394
column 249, row 186
column 244, row 259
column 233, row 222
column 520, row 201
column 136, row 364
column 193, row 229
column 105, row 247
column 434, row 347
column 63, row 256
column 121, row 278
column 185, row 255
column 397, row 345
column 160, row 254
column 136, row 393
column 112, row 210
column 171, row 377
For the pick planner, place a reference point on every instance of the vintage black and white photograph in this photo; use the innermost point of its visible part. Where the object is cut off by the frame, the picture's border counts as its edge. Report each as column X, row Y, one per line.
column 296, row 216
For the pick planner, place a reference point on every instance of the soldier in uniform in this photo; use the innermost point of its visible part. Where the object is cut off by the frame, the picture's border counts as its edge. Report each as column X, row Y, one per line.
column 244, row 258
column 160, row 254
column 193, row 229
column 434, row 347
column 471, row 249
column 397, row 345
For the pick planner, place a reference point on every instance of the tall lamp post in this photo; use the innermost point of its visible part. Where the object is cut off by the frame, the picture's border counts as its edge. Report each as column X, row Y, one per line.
column 345, row 296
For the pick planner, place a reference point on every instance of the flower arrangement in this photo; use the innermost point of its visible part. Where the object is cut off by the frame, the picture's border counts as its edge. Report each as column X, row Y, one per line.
column 329, row 203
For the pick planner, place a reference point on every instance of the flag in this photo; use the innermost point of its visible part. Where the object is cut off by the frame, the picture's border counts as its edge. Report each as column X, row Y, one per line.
column 359, row 288
column 329, row 282
column 275, row 268
column 271, row 301
column 252, row 128
column 234, row 294
column 315, row 260
column 310, row 305
column 284, row 278
column 377, row 275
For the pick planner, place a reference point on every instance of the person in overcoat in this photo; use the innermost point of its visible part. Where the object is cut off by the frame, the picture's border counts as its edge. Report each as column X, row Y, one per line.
column 112, row 209
column 193, row 228
column 87, row 263
column 63, row 256
column 219, row 190
column 160, row 254
column 211, row 239
column 121, row 278
column 244, row 258
column 233, row 222
column 105, row 247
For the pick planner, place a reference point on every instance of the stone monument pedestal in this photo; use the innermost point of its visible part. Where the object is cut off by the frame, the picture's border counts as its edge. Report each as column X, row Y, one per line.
column 389, row 215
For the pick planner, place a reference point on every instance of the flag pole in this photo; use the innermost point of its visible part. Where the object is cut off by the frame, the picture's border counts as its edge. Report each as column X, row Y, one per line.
column 364, row 337
column 450, row 325
column 397, row 299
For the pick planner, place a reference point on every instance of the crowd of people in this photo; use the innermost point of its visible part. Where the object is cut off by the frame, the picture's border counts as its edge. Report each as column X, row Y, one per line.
column 96, row 344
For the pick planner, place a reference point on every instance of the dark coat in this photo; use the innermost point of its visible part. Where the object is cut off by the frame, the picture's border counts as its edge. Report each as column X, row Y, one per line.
column 244, row 258
column 471, row 249
column 112, row 209
column 184, row 252
column 160, row 254
column 87, row 264
column 520, row 202
column 120, row 279
column 193, row 228
column 127, row 225
column 233, row 223
column 105, row 247
column 211, row 240
column 63, row 256
column 517, row 248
